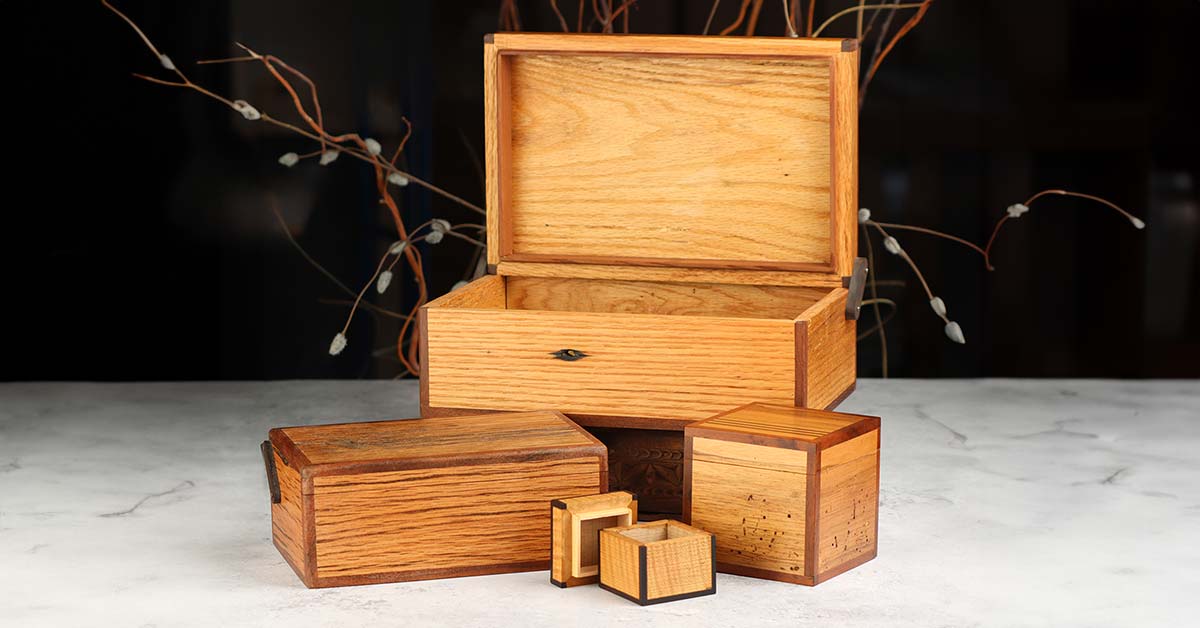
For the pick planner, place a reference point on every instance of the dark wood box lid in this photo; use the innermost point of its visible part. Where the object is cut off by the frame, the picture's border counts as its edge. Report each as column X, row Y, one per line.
column 432, row 442
column 606, row 153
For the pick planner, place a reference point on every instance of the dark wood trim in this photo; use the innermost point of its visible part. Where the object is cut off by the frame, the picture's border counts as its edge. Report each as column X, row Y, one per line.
column 268, row 455
column 686, row 511
column 621, row 593
column 846, row 566
column 801, row 363
column 842, row 397
column 854, row 430
column 780, row 442
column 764, row 574
column 440, row 461
column 812, row 514
column 643, row 575
column 308, row 504
column 288, row 452
column 585, row 420
column 429, row 574
column 430, row 412
column 671, row 262
column 491, row 37
column 682, row 596
column 848, row 45
column 423, row 353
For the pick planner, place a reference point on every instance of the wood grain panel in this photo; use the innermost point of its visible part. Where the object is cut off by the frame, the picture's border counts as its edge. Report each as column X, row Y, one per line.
column 673, row 44
column 637, row 159
column 679, row 566
column 844, row 138
column 746, row 455
column 287, row 518
column 803, row 424
column 431, row 519
column 461, row 437
column 619, row 563
column 486, row 291
column 831, row 351
column 849, row 507
column 692, row 275
column 651, row 297
column 757, row 515
column 670, row 367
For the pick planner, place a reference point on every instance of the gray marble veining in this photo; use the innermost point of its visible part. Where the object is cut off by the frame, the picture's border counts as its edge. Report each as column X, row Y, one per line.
column 1003, row 503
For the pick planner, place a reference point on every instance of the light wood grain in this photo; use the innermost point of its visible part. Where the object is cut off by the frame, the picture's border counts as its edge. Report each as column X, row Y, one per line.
column 619, row 563
column 287, row 518
column 429, row 519
column 782, row 421
column 679, row 565
column 652, row 297
column 458, row 437
column 691, row 275
column 670, row 44
column 486, row 291
column 757, row 514
column 844, row 133
column 577, row 521
column 830, row 356
column 747, row 455
column 670, row 367
column 647, row 158
column 849, row 503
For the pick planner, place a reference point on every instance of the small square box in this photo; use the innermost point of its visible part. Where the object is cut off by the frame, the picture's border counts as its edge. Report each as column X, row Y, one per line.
column 659, row 561
column 792, row 494
column 575, row 525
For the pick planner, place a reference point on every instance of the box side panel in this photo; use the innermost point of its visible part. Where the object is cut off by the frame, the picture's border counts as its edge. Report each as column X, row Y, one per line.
column 619, row 565
column 828, row 358
column 287, row 517
column 757, row 514
column 560, row 547
column 678, row 567
column 675, row 367
column 849, row 503
column 441, row 522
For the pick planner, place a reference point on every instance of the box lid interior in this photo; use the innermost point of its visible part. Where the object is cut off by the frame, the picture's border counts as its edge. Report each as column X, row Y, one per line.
column 686, row 152
column 438, row 441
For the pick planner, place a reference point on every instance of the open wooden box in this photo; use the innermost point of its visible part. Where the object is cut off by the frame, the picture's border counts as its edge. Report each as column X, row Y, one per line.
column 671, row 232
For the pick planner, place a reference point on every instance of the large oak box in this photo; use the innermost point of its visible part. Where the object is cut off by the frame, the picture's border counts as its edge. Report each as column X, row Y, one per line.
column 671, row 228
column 792, row 494
column 361, row 503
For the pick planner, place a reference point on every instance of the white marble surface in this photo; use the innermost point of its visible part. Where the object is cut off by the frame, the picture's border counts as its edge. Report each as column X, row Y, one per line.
column 1004, row 503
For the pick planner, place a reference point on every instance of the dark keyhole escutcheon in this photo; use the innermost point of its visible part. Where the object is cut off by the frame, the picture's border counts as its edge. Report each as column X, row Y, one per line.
column 569, row 355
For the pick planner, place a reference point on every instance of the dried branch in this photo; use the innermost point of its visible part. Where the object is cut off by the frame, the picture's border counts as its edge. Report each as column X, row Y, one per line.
column 878, row 59
column 859, row 9
column 752, row 23
column 740, row 18
column 711, row 14
column 562, row 21
column 874, row 285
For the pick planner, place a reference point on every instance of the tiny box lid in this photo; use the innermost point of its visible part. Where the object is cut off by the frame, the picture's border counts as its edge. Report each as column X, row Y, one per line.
column 784, row 426
column 618, row 151
column 433, row 442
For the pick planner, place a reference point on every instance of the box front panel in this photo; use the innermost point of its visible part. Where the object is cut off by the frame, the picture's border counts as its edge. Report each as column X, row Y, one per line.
column 757, row 513
column 670, row 367
column 678, row 567
column 388, row 526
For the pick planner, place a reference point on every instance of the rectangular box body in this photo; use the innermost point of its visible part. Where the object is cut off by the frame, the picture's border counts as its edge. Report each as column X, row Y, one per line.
column 671, row 232
column 416, row 499
column 658, row 561
column 791, row 494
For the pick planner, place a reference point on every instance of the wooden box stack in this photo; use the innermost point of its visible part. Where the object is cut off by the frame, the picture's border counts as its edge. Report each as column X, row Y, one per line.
column 792, row 494
column 358, row 503
column 672, row 232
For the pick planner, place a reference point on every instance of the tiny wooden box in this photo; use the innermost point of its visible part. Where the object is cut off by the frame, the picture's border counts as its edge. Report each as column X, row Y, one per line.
column 390, row 501
column 671, row 232
column 659, row 561
column 792, row 494
column 575, row 525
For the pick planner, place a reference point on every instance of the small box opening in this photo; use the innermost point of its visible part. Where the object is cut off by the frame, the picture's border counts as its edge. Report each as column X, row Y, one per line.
column 586, row 540
column 651, row 534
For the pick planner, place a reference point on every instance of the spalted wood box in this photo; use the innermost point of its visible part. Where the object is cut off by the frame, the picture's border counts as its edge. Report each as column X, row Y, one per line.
column 792, row 494
column 575, row 525
column 361, row 503
column 659, row 561
column 671, row 224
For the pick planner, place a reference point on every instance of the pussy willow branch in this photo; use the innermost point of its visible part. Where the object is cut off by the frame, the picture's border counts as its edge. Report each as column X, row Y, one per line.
column 874, row 285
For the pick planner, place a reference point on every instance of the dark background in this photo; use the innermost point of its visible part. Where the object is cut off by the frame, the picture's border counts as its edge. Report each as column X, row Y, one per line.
column 137, row 244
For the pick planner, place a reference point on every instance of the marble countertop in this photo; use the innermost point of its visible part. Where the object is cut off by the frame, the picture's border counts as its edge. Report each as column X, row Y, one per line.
column 1003, row 503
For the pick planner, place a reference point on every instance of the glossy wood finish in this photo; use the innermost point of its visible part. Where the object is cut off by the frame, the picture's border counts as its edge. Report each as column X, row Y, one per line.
column 427, row 498
column 674, row 128
column 791, row 494
column 575, row 524
column 655, row 562
column 826, row 352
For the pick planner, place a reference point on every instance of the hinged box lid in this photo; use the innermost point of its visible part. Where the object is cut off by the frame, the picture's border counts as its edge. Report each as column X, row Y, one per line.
column 435, row 442
column 788, row 428
column 610, row 153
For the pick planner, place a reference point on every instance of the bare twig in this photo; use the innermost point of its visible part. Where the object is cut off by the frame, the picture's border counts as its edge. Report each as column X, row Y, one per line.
column 900, row 33
column 874, row 285
column 859, row 9
column 562, row 21
column 740, row 18
column 711, row 14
